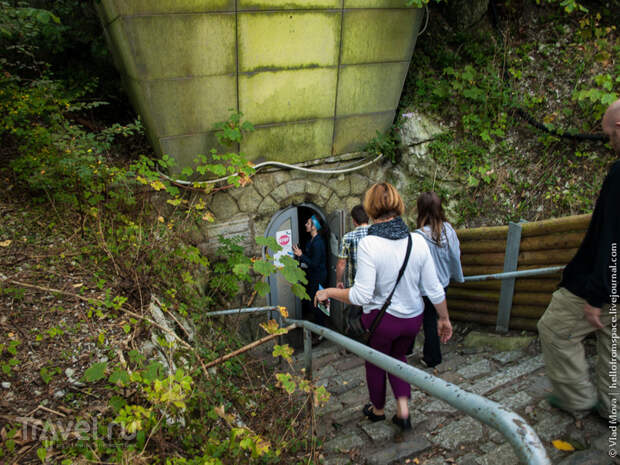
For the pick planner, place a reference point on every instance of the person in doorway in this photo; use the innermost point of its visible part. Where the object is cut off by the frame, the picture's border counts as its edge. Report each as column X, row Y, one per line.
column 380, row 255
column 314, row 256
column 445, row 250
column 347, row 257
column 586, row 302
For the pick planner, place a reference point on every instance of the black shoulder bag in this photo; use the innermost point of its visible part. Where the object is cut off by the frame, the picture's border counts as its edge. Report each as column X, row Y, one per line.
column 370, row 331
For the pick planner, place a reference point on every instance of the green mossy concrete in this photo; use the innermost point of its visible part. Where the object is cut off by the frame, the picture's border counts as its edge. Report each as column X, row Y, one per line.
column 288, row 95
column 291, row 142
column 187, row 63
column 288, row 4
column 365, row 39
column 188, row 106
column 112, row 9
column 499, row 342
column 365, row 89
column 172, row 46
column 353, row 131
column 185, row 148
column 288, row 40
column 375, row 3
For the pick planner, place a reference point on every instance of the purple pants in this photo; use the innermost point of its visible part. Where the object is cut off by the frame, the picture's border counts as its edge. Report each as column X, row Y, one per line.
column 393, row 337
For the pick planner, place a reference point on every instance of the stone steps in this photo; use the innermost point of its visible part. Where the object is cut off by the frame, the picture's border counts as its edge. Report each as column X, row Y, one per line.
column 441, row 434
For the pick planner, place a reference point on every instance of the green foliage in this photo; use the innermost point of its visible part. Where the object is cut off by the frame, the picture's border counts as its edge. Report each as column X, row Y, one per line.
column 600, row 97
column 477, row 79
column 385, row 144
column 8, row 357
column 95, row 372
column 569, row 6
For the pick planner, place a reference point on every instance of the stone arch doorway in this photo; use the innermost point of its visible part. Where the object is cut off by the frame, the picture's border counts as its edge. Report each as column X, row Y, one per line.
column 287, row 227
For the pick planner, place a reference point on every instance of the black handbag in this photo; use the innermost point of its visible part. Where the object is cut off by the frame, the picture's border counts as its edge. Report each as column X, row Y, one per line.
column 355, row 329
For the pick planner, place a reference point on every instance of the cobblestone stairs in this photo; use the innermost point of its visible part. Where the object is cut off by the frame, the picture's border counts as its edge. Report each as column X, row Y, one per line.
column 441, row 434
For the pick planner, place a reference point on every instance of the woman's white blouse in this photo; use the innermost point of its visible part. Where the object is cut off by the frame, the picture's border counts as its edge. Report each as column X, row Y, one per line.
column 378, row 263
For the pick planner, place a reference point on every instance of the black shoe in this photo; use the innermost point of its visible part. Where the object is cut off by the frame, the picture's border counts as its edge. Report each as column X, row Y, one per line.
column 403, row 423
column 372, row 416
column 425, row 364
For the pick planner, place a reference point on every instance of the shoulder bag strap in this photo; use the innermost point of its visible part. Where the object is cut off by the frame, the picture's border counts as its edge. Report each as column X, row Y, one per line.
column 387, row 303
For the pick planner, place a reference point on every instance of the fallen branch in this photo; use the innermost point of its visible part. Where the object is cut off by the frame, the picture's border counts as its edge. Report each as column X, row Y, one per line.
column 124, row 310
column 250, row 346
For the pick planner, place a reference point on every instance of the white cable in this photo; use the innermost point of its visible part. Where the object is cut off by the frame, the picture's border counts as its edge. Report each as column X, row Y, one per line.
column 277, row 163
column 426, row 23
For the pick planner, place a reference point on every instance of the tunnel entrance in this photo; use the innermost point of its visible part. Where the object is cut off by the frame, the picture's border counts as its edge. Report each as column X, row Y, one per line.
column 287, row 227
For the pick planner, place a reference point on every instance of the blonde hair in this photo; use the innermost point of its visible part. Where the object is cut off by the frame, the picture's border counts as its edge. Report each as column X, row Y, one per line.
column 382, row 200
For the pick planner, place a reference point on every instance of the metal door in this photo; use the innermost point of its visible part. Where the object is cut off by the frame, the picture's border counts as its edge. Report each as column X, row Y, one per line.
column 284, row 228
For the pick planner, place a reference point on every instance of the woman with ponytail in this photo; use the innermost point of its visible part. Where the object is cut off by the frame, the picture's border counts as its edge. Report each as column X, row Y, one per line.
column 445, row 250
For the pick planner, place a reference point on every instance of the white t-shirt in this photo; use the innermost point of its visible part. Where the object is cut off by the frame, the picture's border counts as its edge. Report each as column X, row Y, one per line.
column 378, row 263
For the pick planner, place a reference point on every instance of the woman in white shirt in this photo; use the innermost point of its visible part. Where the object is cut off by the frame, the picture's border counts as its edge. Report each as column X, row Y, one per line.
column 379, row 258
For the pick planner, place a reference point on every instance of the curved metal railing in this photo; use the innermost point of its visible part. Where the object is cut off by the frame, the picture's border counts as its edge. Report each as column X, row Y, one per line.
column 513, row 427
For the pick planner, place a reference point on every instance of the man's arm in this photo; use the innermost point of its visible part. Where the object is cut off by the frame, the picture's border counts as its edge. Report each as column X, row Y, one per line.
column 340, row 267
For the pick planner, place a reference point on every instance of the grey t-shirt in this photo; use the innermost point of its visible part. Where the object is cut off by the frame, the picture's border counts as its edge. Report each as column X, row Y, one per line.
column 446, row 254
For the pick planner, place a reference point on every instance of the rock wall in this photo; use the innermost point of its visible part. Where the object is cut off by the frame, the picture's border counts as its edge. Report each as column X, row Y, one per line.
column 247, row 211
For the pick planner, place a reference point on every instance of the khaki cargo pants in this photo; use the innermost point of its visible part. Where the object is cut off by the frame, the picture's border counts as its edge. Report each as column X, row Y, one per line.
column 562, row 329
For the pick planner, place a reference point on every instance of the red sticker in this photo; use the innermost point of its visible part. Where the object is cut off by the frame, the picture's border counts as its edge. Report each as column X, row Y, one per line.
column 284, row 240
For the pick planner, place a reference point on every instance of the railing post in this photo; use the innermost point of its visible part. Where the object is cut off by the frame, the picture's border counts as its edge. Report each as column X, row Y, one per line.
column 308, row 353
column 511, row 259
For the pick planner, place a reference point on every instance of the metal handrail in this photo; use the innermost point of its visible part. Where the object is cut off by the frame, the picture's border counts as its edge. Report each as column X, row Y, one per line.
column 514, row 274
column 521, row 436
column 513, row 427
column 236, row 311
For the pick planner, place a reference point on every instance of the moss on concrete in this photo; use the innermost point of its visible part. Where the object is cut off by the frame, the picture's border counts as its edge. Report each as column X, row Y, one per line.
column 114, row 8
column 291, row 142
column 285, row 40
column 353, row 132
column 189, row 106
column 288, row 95
column 375, row 3
column 288, row 4
column 365, row 89
column 179, row 60
column 185, row 148
column 171, row 46
column 366, row 39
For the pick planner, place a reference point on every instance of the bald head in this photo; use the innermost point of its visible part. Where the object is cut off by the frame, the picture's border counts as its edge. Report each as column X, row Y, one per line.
column 611, row 125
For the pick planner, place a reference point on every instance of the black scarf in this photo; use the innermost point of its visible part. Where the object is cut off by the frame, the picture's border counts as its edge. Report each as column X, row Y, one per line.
column 394, row 229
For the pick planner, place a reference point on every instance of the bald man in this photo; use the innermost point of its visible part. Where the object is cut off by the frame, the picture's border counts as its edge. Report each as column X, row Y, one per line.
column 587, row 302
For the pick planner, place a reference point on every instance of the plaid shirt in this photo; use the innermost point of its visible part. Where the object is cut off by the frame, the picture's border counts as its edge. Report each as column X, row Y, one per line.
column 348, row 251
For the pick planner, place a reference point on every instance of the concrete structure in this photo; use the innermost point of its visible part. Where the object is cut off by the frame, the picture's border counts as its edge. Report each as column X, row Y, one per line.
column 316, row 77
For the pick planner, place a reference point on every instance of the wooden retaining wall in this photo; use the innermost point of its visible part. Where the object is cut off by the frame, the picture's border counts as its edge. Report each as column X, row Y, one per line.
column 543, row 244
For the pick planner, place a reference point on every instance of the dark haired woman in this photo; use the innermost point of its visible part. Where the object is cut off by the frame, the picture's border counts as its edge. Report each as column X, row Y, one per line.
column 380, row 255
column 445, row 250
column 314, row 257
